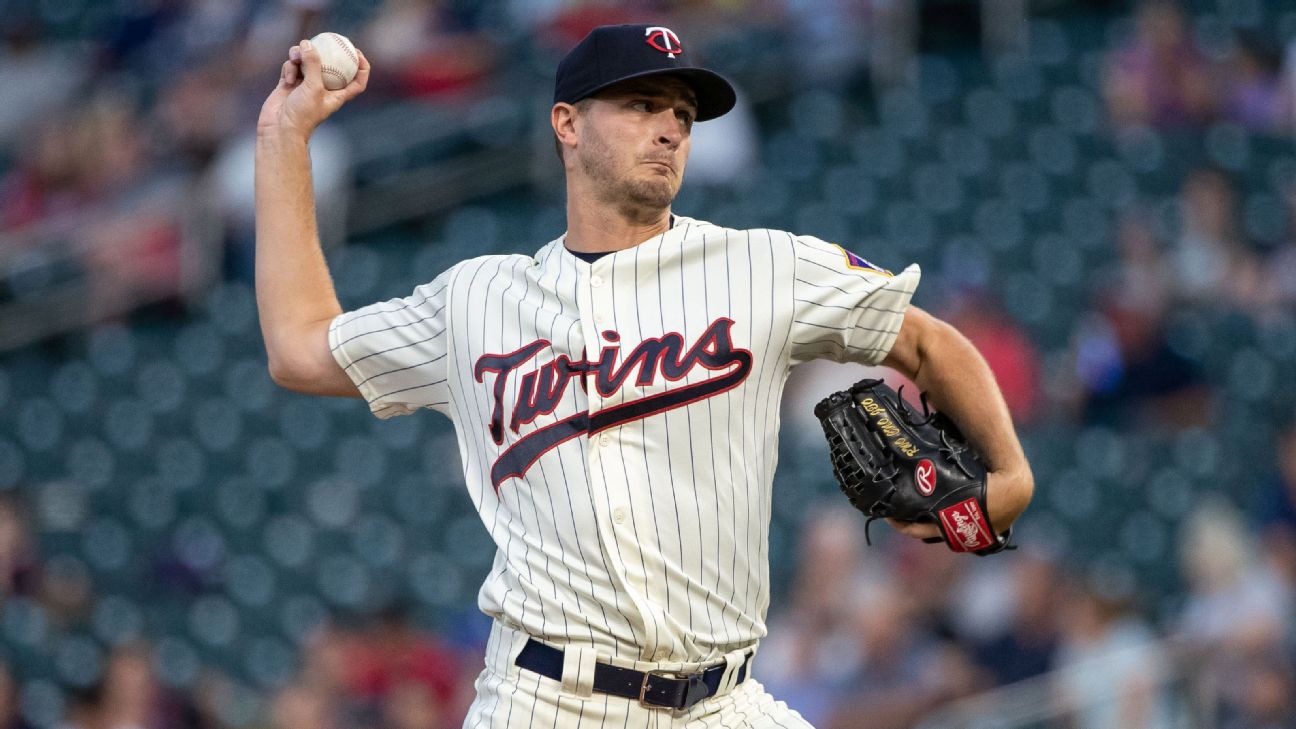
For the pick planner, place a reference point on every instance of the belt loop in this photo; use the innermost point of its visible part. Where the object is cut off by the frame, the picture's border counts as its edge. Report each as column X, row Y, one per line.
column 578, row 671
column 729, row 679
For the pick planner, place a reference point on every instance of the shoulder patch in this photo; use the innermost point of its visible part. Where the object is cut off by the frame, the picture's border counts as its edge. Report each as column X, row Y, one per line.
column 857, row 263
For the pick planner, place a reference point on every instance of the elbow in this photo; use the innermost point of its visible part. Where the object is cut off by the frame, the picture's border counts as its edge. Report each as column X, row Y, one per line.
column 1026, row 491
column 287, row 375
column 1018, row 494
column 280, row 374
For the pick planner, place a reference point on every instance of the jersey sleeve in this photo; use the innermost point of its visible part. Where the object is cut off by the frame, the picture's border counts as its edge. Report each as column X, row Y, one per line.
column 845, row 308
column 396, row 351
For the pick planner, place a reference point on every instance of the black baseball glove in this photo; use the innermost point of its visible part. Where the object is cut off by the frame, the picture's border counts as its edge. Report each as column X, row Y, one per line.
column 893, row 463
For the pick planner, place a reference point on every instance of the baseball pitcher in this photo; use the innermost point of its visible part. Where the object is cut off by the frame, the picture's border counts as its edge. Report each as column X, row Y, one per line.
column 616, row 394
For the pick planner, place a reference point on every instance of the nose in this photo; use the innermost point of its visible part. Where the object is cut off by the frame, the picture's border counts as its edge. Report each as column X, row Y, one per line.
column 668, row 128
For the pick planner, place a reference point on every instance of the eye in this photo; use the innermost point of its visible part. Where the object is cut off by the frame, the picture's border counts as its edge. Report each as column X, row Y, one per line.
column 642, row 105
column 685, row 116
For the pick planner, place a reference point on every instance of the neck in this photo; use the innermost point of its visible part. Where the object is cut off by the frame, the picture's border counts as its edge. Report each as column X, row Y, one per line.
column 600, row 228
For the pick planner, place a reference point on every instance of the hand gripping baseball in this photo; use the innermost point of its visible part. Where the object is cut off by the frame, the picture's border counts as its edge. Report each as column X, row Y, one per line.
column 300, row 101
column 893, row 463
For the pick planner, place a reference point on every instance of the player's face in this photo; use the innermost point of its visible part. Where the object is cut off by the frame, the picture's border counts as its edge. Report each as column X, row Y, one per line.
column 634, row 141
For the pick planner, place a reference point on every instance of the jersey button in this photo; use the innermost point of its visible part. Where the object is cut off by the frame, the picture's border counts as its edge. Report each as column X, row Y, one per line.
column 596, row 281
column 605, row 440
column 618, row 516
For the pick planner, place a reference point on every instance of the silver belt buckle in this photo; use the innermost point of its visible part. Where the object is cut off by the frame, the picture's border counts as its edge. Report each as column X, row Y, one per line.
column 643, row 689
column 693, row 693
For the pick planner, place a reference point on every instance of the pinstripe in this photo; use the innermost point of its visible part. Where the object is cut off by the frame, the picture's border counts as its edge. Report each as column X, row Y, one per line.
column 747, row 420
column 670, row 465
column 393, row 327
column 834, row 271
column 389, row 350
column 688, row 418
column 416, row 365
column 562, row 605
column 870, row 307
column 404, row 305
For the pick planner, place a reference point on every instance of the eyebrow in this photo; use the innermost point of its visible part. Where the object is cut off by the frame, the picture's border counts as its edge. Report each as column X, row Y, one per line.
column 649, row 89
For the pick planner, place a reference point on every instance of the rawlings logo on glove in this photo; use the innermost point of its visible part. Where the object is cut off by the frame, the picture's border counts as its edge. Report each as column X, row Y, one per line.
column 891, row 463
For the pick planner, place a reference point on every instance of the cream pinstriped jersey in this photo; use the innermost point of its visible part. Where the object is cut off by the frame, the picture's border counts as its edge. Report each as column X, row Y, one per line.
column 618, row 420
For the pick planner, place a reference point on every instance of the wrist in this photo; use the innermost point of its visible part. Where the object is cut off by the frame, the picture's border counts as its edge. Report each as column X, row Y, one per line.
column 281, row 134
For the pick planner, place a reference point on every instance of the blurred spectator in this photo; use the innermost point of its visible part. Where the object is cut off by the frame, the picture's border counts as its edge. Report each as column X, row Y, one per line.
column 1280, row 268
column 809, row 651
column 131, row 697
column 1142, row 283
column 1212, row 264
column 1238, row 603
column 38, row 75
column 1111, row 665
column 19, row 560
column 904, row 671
column 834, row 38
column 1007, row 348
column 1239, row 611
column 393, row 653
column 1026, row 646
column 1127, row 374
column 329, row 670
column 427, row 47
column 302, row 707
column 84, row 708
column 45, row 180
column 10, row 708
column 1251, row 90
column 1158, row 78
column 1266, row 695
column 412, row 705
column 197, row 113
column 1288, row 82
column 1273, row 507
column 561, row 24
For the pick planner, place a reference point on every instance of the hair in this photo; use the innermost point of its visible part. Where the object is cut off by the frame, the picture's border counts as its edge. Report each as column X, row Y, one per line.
column 581, row 106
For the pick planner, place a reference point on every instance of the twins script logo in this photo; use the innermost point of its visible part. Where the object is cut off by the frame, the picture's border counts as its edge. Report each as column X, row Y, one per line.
column 664, row 40
column 540, row 391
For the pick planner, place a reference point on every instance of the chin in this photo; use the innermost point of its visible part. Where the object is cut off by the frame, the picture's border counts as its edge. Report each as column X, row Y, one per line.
column 655, row 194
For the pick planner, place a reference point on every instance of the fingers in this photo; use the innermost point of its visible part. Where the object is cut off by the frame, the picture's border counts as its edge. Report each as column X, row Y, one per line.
column 289, row 75
column 915, row 529
column 360, row 82
column 311, row 65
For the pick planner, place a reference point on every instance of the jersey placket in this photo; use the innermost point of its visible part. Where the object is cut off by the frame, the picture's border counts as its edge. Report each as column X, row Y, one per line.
column 615, row 517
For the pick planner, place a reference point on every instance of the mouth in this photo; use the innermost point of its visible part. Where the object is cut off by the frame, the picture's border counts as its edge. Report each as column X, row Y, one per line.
column 668, row 167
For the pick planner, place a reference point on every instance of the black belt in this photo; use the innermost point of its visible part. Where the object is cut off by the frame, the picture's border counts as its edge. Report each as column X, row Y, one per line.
column 651, row 688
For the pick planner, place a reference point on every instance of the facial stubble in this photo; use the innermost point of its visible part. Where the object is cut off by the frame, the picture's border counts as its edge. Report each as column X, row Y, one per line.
column 635, row 197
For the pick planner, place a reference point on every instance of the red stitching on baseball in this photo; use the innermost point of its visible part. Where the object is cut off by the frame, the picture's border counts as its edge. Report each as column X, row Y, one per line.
column 341, row 76
column 345, row 46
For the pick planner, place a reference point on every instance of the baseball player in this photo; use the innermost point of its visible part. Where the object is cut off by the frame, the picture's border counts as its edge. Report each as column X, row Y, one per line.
column 615, row 395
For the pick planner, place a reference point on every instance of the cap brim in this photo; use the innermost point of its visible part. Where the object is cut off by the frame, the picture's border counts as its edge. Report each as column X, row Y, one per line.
column 715, row 95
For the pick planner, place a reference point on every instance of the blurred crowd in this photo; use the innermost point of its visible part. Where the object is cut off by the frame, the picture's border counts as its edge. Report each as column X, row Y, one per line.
column 890, row 632
column 106, row 117
column 908, row 629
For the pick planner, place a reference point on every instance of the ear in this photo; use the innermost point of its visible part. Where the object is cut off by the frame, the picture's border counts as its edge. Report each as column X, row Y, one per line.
column 563, row 119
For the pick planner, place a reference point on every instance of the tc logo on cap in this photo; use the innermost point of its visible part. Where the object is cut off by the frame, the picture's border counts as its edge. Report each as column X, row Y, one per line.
column 663, row 39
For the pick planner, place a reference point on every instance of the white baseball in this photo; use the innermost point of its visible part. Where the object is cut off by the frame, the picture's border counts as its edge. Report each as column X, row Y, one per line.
column 339, row 57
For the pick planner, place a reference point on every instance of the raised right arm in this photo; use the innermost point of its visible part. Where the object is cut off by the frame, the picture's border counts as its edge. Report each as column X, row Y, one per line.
column 295, row 297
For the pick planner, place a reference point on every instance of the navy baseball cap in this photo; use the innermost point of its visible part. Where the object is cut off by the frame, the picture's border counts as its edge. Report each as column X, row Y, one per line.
column 612, row 53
